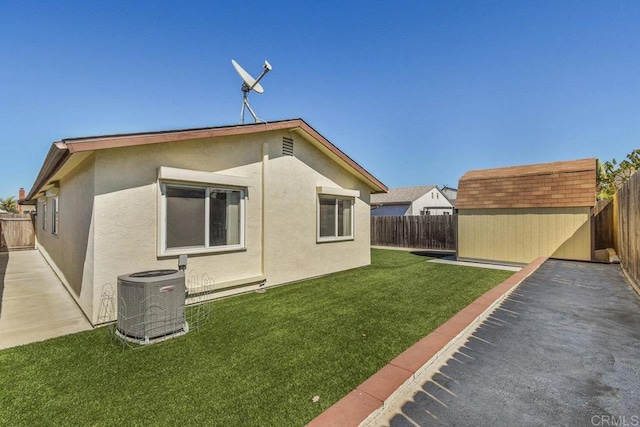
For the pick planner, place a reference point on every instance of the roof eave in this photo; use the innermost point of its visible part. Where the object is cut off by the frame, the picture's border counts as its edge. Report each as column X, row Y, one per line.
column 376, row 185
column 55, row 159
column 60, row 151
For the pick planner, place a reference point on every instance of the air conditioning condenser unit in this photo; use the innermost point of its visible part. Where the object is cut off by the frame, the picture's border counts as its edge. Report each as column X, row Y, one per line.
column 151, row 304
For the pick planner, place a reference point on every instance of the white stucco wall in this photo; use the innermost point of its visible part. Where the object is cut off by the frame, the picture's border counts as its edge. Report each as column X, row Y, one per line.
column 70, row 252
column 109, row 215
column 292, row 251
column 126, row 206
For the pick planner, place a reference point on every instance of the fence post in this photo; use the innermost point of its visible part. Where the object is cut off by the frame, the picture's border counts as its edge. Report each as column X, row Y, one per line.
column 436, row 232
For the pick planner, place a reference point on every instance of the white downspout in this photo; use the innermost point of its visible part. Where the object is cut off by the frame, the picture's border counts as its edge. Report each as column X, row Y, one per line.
column 265, row 159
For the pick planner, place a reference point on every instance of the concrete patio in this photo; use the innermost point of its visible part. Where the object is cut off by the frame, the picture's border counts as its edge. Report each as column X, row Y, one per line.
column 34, row 304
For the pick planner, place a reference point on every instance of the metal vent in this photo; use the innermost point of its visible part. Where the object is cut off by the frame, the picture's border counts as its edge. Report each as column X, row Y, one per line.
column 287, row 146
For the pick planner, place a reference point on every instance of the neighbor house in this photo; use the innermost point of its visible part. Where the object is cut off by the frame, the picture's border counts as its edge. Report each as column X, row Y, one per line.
column 256, row 204
column 450, row 193
column 424, row 200
column 517, row 214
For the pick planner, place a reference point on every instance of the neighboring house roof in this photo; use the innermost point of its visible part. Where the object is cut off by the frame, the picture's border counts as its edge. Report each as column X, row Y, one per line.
column 557, row 184
column 450, row 193
column 61, row 153
column 401, row 196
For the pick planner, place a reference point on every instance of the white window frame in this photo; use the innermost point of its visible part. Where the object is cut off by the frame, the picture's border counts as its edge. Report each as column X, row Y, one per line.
column 201, row 179
column 54, row 214
column 162, row 223
column 338, row 194
column 44, row 214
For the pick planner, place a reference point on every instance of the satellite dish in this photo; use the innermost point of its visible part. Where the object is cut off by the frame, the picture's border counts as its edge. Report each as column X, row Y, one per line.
column 249, row 84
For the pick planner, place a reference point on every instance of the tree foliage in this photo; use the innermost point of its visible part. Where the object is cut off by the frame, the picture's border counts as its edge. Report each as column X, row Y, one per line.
column 10, row 204
column 613, row 175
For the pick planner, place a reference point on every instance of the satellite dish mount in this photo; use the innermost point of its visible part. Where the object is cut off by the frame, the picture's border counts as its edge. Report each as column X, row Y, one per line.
column 250, row 84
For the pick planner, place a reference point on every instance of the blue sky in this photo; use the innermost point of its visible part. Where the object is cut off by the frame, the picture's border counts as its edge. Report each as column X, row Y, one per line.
column 417, row 92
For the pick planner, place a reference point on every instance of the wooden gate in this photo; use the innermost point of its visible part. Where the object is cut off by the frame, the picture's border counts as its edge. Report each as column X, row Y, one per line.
column 603, row 225
column 16, row 232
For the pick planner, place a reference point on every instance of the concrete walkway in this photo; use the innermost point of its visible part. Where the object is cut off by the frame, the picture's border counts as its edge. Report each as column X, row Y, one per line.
column 453, row 261
column 562, row 349
column 34, row 305
column 449, row 257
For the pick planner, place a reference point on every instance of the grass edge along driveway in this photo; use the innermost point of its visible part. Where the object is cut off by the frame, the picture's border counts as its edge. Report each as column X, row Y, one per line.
column 259, row 360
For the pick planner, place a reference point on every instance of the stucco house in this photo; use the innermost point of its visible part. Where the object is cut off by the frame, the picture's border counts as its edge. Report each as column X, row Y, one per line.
column 423, row 200
column 516, row 214
column 257, row 204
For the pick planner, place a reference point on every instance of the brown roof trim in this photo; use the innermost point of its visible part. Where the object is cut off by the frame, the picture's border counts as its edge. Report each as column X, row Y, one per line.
column 57, row 157
column 335, row 150
column 93, row 143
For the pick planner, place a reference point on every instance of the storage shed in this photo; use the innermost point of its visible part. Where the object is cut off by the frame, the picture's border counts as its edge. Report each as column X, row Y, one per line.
column 516, row 214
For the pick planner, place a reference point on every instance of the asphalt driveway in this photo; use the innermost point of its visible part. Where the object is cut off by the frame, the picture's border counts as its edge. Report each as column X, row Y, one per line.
column 562, row 349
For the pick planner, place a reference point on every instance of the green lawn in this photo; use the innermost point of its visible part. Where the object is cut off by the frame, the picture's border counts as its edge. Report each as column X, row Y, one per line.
column 258, row 361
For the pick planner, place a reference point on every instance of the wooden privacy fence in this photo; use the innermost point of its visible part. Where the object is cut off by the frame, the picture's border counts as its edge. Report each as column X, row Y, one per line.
column 16, row 232
column 422, row 232
column 627, row 205
column 603, row 225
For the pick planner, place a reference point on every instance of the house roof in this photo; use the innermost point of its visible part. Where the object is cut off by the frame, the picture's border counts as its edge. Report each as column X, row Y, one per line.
column 401, row 196
column 450, row 193
column 62, row 152
column 557, row 184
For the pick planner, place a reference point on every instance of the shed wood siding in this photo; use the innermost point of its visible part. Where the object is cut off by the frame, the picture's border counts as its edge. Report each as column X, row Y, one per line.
column 522, row 235
column 519, row 213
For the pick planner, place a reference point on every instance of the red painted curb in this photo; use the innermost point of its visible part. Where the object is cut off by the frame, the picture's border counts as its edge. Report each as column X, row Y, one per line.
column 371, row 395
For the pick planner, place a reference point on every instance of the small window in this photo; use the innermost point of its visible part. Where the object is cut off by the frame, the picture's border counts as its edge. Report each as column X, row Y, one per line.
column 54, row 215
column 335, row 218
column 44, row 214
column 201, row 219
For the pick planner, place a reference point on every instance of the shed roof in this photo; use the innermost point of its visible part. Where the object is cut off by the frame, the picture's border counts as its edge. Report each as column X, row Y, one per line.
column 401, row 196
column 61, row 152
column 557, row 184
